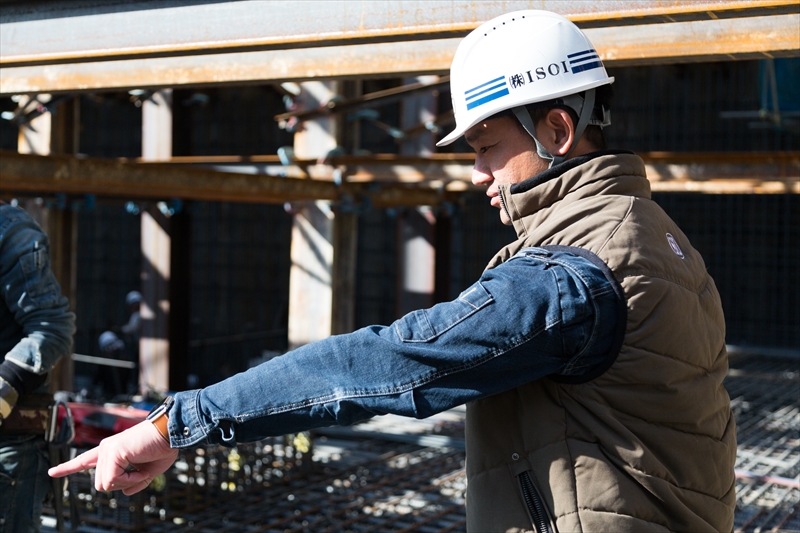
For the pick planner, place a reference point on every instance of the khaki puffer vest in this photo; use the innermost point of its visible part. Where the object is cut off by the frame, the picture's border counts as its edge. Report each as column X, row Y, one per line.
column 649, row 446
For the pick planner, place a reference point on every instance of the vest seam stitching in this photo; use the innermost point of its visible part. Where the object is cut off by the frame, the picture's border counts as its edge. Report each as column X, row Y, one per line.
column 618, row 226
column 673, row 358
column 624, row 464
column 631, row 273
column 571, row 457
column 614, row 513
column 672, row 428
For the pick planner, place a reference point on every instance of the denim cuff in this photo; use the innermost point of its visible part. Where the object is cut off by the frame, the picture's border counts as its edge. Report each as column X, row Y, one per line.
column 185, row 421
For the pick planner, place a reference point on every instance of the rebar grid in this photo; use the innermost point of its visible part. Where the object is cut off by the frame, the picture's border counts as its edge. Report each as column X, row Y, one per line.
column 368, row 484
column 413, row 491
column 765, row 395
column 362, row 485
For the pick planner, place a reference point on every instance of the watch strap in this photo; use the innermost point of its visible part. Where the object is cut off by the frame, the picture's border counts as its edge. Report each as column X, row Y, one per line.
column 160, row 423
column 158, row 416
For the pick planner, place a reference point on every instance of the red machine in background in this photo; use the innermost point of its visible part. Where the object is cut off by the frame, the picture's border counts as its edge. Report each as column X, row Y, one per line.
column 92, row 423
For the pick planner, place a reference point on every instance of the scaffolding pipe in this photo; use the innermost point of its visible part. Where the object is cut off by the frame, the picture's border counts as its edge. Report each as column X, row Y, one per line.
column 644, row 44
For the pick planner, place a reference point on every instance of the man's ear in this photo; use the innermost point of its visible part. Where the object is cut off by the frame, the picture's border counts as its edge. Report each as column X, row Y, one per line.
column 556, row 131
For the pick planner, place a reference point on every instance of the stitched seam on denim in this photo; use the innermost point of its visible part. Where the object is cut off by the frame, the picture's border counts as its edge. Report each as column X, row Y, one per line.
column 448, row 328
column 570, row 367
column 572, row 269
column 571, row 363
column 557, row 281
column 193, row 410
column 596, row 291
column 467, row 301
column 601, row 291
column 606, row 288
column 399, row 389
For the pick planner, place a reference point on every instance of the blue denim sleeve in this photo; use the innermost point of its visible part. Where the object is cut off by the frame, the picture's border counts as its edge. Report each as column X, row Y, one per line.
column 535, row 315
column 37, row 327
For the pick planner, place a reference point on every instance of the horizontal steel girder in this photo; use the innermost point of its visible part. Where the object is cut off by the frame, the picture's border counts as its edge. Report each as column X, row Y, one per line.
column 722, row 39
column 102, row 30
column 106, row 177
column 261, row 178
column 714, row 173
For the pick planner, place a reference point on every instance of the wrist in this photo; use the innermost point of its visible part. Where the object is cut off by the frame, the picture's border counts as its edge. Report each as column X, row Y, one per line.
column 159, row 417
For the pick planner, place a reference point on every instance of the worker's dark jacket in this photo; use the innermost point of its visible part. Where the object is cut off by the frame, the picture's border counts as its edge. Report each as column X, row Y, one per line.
column 36, row 326
column 649, row 445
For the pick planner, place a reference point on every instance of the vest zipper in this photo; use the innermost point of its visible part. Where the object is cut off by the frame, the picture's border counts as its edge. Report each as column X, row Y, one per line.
column 503, row 204
column 537, row 511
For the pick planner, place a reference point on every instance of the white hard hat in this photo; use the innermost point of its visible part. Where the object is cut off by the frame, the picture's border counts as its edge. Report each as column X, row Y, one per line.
column 521, row 58
column 133, row 297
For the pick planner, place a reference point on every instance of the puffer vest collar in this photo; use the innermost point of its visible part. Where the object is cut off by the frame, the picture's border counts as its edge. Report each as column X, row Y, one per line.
column 603, row 172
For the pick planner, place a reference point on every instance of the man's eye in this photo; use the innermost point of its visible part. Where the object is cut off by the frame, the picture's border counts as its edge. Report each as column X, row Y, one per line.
column 485, row 149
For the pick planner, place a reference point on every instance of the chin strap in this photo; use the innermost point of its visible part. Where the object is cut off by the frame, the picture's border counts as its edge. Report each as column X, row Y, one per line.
column 524, row 118
column 583, row 120
column 576, row 102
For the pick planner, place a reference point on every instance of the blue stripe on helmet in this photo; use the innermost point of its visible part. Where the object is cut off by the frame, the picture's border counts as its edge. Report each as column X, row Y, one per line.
column 584, row 59
column 483, row 85
column 489, row 89
column 488, row 98
column 587, row 66
column 576, row 54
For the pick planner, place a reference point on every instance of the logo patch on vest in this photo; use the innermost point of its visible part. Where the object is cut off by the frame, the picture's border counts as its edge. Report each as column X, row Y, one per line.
column 674, row 245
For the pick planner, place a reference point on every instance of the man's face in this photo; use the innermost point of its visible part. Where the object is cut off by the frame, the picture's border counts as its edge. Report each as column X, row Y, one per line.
column 504, row 153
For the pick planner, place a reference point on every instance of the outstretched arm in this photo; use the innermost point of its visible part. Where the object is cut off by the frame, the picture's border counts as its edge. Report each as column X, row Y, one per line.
column 127, row 461
column 533, row 316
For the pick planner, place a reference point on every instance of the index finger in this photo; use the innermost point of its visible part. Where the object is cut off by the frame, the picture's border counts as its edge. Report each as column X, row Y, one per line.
column 82, row 462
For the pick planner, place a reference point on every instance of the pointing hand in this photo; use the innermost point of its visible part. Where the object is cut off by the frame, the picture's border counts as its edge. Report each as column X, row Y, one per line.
column 127, row 461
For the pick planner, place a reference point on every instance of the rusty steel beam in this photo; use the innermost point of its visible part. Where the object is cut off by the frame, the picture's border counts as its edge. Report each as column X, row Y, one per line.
column 423, row 179
column 724, row 173
column 66, row 174
column 81, row 30
column 722, row 39
column 728, row 186
column 709, row 172
column 274, row 66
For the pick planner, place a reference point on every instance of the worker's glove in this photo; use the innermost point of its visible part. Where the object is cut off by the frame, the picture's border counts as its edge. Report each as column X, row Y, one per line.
column 8, row 399
column 15, row 381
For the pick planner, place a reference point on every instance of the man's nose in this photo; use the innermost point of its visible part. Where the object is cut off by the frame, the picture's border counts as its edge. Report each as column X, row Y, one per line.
column 481, row 175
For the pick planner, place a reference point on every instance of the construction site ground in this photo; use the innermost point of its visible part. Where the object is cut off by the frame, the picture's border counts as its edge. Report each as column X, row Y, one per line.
column 392, row 474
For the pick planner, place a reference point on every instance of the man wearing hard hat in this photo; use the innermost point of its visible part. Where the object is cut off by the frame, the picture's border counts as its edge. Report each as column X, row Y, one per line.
column 590, row 353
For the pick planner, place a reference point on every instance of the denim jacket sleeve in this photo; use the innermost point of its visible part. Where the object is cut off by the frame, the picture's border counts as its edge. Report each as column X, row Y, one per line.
column 538, row 314
column 36, row 327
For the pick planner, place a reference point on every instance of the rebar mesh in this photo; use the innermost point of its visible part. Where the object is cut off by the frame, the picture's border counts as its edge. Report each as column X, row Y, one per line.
column 764, row 395
column 390, row 475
